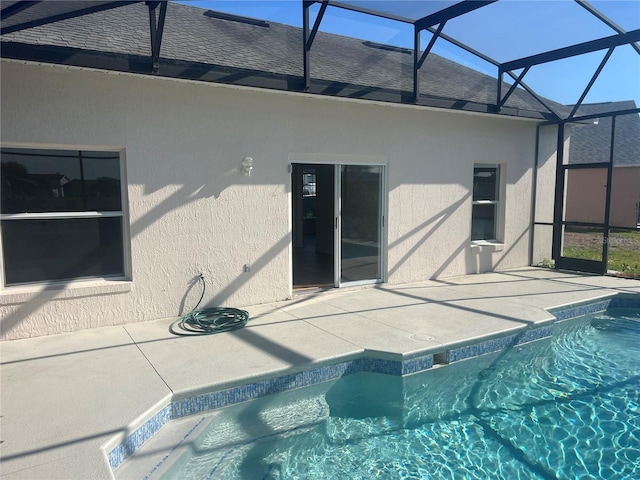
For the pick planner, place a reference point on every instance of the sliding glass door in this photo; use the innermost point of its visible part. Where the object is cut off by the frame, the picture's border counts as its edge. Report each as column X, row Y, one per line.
column 338, row 224
column 360, row 224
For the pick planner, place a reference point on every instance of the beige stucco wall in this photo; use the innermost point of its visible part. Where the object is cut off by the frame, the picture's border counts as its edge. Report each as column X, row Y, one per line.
column 191, row 211
column 545, row 192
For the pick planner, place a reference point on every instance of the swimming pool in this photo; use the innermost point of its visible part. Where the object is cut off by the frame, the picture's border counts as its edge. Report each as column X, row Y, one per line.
column 563, row 407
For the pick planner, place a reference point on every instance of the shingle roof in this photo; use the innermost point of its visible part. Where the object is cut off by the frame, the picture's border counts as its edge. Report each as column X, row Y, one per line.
column 591, row 143
column 201, row 47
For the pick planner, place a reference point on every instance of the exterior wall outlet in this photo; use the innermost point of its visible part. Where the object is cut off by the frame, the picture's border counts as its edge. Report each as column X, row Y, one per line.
column 247, row 268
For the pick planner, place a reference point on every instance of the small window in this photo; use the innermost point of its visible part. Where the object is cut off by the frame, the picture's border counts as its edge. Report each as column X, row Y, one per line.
column 486, row 203
column 61, row 215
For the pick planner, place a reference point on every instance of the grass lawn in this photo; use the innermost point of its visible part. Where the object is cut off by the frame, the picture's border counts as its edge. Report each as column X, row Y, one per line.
column 624, row 249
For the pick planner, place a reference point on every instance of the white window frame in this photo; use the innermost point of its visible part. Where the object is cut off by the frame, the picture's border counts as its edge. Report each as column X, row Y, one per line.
column 122, row 213
column 498, row 202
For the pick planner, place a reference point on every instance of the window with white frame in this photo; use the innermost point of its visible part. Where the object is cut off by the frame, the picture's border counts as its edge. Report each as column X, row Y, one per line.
column 486, row 202
column 61, row 215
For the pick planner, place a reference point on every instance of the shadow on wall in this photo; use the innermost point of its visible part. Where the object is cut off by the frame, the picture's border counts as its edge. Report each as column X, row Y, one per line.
column 522, row 237
column 435, row 222
column 476, row 260
column 481, row 260
column 37, row 301
column 418, row 243
column 187, row 193
column 192, row 169
column 22, row 312
column 197, row 178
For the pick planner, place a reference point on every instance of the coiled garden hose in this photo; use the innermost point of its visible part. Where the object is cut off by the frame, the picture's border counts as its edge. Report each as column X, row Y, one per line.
column 208, row 321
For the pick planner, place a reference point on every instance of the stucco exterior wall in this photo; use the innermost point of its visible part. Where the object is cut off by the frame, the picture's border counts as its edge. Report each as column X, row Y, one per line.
column 545, row 192
column 191, row 211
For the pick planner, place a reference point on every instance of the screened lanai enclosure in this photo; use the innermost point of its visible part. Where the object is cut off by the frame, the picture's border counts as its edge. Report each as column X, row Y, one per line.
column 594, row 225
column 586, row 195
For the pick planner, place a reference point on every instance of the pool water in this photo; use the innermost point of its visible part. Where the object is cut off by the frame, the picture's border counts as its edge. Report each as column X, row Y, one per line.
column 566, row 407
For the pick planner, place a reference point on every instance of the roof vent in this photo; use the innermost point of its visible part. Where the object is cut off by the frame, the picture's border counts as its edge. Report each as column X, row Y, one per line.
column 236, row 18
column 391, row 48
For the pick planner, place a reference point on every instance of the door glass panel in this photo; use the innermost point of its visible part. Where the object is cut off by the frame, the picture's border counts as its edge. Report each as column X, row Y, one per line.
column 360, row 222
column 313, row 225
column 586, row 194
column 584, row 243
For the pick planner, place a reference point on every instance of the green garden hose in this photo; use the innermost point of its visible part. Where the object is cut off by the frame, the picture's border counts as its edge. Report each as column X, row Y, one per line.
column 208, row 321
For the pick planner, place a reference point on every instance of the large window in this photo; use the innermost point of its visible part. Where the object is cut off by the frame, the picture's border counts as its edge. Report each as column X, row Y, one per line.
column 486, row 203
column 61, row 215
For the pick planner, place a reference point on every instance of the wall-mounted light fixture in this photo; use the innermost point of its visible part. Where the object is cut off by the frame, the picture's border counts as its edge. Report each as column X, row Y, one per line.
column 247, row 166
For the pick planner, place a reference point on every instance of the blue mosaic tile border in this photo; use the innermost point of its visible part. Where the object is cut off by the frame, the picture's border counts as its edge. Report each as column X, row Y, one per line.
column 234, row 395
column 625, row 301
column 572, row 311
column 620, row 300
column 243, row 393
column 498, row 344
column 417, row 364
column 137, row 438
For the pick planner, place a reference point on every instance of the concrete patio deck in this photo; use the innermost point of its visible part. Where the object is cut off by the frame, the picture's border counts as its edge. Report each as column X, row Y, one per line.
column 64, row 397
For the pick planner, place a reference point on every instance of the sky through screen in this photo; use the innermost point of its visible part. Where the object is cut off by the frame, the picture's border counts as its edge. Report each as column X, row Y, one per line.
column 506, row 30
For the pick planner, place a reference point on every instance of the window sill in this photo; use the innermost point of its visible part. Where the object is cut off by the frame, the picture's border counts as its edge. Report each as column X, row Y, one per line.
column 486, row 246
column 74, row 289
